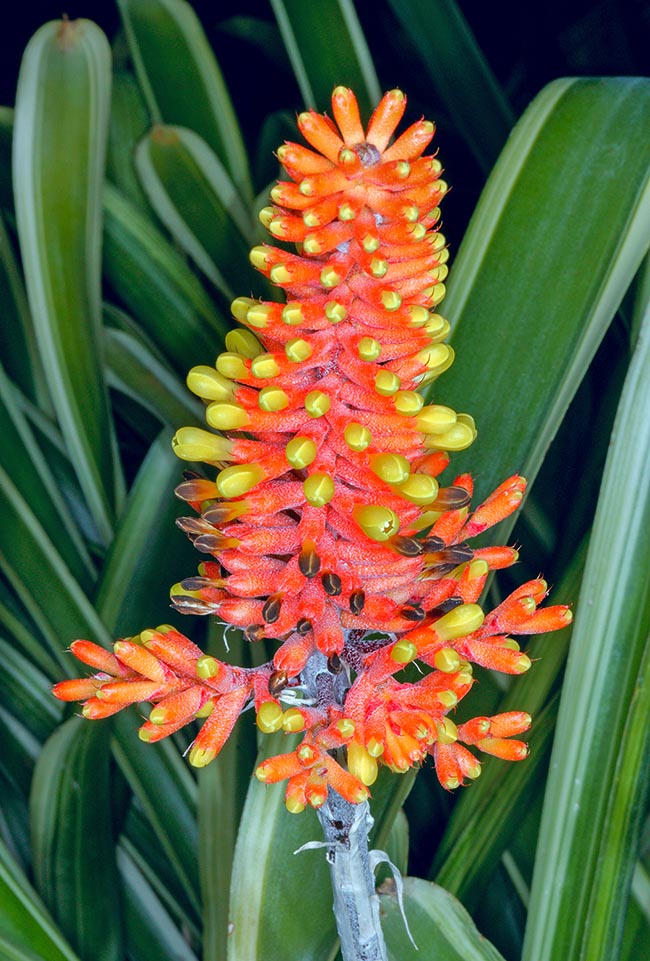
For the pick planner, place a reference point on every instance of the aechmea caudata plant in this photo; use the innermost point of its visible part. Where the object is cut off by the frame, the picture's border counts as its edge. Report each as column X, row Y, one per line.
column 327, row 528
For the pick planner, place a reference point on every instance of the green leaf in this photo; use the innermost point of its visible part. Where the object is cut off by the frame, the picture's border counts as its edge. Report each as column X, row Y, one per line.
column 136, row 372
column 440, row 925
column 148, row 552
column 157, row 286
column 326, row 47
column 25, row 691
column 6, row 137
column 30, row 472
column 600, row 707
column 528, row 316
column 72, row 838
column 459, row 73
column 262, row 913
column 27, row 930
column 40, row 577
column 60, row 129
column 17, row 341
column 150, row 933
column 196, row 200
column 129, row 121
column 160, row 780
column 181, row 79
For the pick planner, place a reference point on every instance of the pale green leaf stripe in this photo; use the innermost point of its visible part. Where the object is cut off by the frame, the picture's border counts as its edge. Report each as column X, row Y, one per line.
column 441, row 927
column 28, row 931
column 181, row 79
column 326, row 46
column 574, row 180
column 60, row 129
column 195, row 199
column 611, row 628
column 459, row 73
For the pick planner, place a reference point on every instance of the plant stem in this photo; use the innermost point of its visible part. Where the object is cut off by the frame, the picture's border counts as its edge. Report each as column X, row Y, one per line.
column 356, row 906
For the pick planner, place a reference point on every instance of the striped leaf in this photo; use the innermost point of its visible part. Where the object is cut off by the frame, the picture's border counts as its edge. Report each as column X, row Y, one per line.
column 59, row 149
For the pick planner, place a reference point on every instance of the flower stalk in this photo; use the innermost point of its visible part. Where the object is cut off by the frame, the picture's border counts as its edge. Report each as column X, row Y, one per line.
column 325, row 524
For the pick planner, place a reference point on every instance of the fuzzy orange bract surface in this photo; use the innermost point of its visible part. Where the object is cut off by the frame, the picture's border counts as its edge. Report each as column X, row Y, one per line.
column 324, row 520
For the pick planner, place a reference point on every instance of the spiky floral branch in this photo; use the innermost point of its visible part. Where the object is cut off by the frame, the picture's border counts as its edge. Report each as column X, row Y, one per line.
column 328, row 528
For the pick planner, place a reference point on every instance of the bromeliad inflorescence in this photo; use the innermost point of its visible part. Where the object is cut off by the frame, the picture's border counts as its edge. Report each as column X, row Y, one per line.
column 328, row 529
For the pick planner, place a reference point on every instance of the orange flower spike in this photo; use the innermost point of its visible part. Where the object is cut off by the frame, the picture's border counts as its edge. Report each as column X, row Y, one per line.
column 325, row 463
column 299, row 162
column 453, row 763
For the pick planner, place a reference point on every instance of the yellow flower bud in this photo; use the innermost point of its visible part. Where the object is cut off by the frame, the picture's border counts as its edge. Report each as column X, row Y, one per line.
column 300, row 452
column 357, row 437
column 272, row 399
column 195, row 444
column 335, row 312
column 298, row 350
column 319, row 489
column 238, row 480
column 232, row 365
column 408, row 402
column 361, row 764
column 264, row 366
column 209, row 384
column 376, row 521
column 462, row 620
column 317, row 403
column 243, row 342
column 387, row 383
column 226, row 416
column 391, row 468
column 269, row 717
column 421, row 489
column 292, row 314
column 368, row 348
